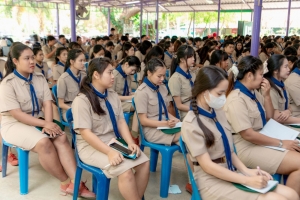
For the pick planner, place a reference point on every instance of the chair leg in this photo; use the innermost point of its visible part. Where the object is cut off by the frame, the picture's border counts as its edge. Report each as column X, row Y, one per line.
column 153, row 159
column 142, row 147
column 23, row 170
column 285, row 177
column 166, row 169
column 102, row 188
column 77, row 182
column 94, row 184
column 4, row 159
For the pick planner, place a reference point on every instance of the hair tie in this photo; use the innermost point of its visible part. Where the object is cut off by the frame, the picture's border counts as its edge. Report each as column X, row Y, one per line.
column 174, row 56
column 234, row 70
column 265, row 67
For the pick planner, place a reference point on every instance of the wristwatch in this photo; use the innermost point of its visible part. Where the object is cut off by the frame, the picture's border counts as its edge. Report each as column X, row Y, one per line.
column 280, row 144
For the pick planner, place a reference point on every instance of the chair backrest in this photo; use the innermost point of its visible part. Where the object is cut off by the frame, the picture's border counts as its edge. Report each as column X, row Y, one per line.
column 195, row 195
column 69, row 116
column 140, row 125
column 54, row 92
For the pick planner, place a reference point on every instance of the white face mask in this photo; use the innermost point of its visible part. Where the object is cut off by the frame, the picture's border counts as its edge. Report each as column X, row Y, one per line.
column 216, row 102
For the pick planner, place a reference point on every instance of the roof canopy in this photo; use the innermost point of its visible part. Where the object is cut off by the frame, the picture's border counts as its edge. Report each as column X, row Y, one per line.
column 181, row 6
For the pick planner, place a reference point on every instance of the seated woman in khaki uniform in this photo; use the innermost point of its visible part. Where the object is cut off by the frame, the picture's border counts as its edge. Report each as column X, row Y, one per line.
column 69, row 82
column 247, row 111
column 207, row 134
column 20, row 117
column 127, row 50
column 152, row 102
column 292, row 84
column 98, row 120
column 61, row 56
column 169, row 50
column 219, row 58
column 278, row 71
column 181, row 83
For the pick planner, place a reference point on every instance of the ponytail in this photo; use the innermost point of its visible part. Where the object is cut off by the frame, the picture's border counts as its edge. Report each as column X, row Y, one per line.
column 208, row 135
column 184, row 51
column 9, row 66
column 230, row 83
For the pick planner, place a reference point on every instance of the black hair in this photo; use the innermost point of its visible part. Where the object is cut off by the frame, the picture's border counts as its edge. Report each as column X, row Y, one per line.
column 105, row 38
column 96, row 49
column 274, row 63
column 183, row 40
column 276, row 38
column 239, row 52
column 290, row 51
column 246, row 50
column 126, row 46
column 74, row 45
column 296, row 45
column 109, row 44
column 58, row 52
column 287, row 44
column 124, row 38
column 132, row 61
column 167, row 37
column 197, row 39
column 72, row 55
column 145, row 46
column 286, row 38
column 98, row 39
column 185, row 52
column 155, row 52
column 143, row 36
column 207, row 78
column 167, row 45
column 61, row 36
column 77, row 38
column 247, row 64
column 227, row 43
column 50, row 38
column 36, row 50
column 112, row 29
column 191, row 39
column 152, row 66
column 218, row 56
column 203, row 51
column 173, row 40
column 99, row 65
column 134, row 40
column 15, row 52
column 269, row 45
column 292, row 59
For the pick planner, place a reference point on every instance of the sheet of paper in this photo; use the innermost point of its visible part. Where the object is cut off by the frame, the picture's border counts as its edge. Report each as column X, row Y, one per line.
column 174, row 189
column 129, row 101
column 270, row 185
column 276, row 130
column 178, row 125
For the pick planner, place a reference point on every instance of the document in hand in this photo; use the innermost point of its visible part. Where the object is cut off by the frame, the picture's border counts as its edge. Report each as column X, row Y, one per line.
column 276, row 130
column 178, row 125
column 270, row 186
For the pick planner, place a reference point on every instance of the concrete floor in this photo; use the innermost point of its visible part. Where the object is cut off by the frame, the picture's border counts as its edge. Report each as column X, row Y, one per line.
column 42, row 186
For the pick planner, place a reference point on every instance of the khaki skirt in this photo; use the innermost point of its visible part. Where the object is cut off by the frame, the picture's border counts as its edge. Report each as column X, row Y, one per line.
column 93, row 157
column 157, row 136
column 213, row 188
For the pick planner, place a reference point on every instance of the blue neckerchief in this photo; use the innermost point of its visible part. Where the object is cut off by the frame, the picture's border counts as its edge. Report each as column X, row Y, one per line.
column 126, row 87
column 1, row 76
column 32, row 91
column 41, row 67
column 186, row 75
column 110, row 110
column 229, row 56
column 281, row 85
column 77, row 80
column 224, row 137
column 243, row 89
column 297, row 71
column 60, row 63
column 161, row 102
column 168, row 54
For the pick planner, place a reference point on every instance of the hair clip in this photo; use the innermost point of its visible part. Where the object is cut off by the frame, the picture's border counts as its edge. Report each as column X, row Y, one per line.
column 265, row 67
column 234, row 70
column 174, row 56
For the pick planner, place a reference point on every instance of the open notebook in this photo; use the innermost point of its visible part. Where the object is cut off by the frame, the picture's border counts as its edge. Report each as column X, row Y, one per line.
column 276, row 130
column 178, row 125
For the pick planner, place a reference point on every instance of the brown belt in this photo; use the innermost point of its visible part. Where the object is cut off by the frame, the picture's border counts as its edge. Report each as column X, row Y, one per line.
column 218, row 160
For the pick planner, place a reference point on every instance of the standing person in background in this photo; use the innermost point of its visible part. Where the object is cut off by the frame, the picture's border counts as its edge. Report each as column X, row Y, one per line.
column 49, row 51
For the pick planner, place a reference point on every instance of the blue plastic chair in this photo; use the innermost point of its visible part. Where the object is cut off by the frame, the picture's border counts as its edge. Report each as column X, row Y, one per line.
column 54, row 92
column 127, row 116
column 23, row 165
column 100, row 181
column 166, row 160
column 195, row 194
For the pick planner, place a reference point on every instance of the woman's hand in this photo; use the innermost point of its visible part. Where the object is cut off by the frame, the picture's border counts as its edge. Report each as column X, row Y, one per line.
column 265, row 87
column 135, row 149
column 52, row 129
column 292, row 145
column 171, row 123
column 255, row 172
column 284, row 115
column 114, row 157
column 258, row 182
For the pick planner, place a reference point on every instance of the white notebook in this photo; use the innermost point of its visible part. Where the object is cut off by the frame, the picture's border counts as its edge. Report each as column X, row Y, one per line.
column 178, row 125
column 276, row 130
column 129, row 101
column 270, row 185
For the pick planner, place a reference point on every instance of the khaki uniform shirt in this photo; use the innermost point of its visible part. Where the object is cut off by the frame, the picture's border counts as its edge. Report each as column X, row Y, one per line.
column 119, row 83
column 278, row 101
column 45, row 68
column 46, row 50
column 168, row 61
column 180, row 86
column 292, row 84
column 58, row 70
column 140, row 56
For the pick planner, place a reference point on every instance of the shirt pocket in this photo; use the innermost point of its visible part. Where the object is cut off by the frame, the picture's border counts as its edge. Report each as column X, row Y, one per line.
column 72, row 92
column 153, row 106
column 255, row 119
column 98, row 123
column 25, row 103
column 281, row 103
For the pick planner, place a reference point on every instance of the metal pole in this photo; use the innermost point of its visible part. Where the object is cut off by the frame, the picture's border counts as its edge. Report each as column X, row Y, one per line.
column 194, row 24
column 218, row 23
column 57, row 20
column 252, row 16
column 288, row 18
column 141, row 19
column 157, row 15
column 256, row 27
column 108, row 21
column 72, row 15
column 147, row 29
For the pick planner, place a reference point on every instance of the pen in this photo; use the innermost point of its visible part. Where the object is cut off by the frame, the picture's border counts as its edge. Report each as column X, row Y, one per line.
column 259, row 172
